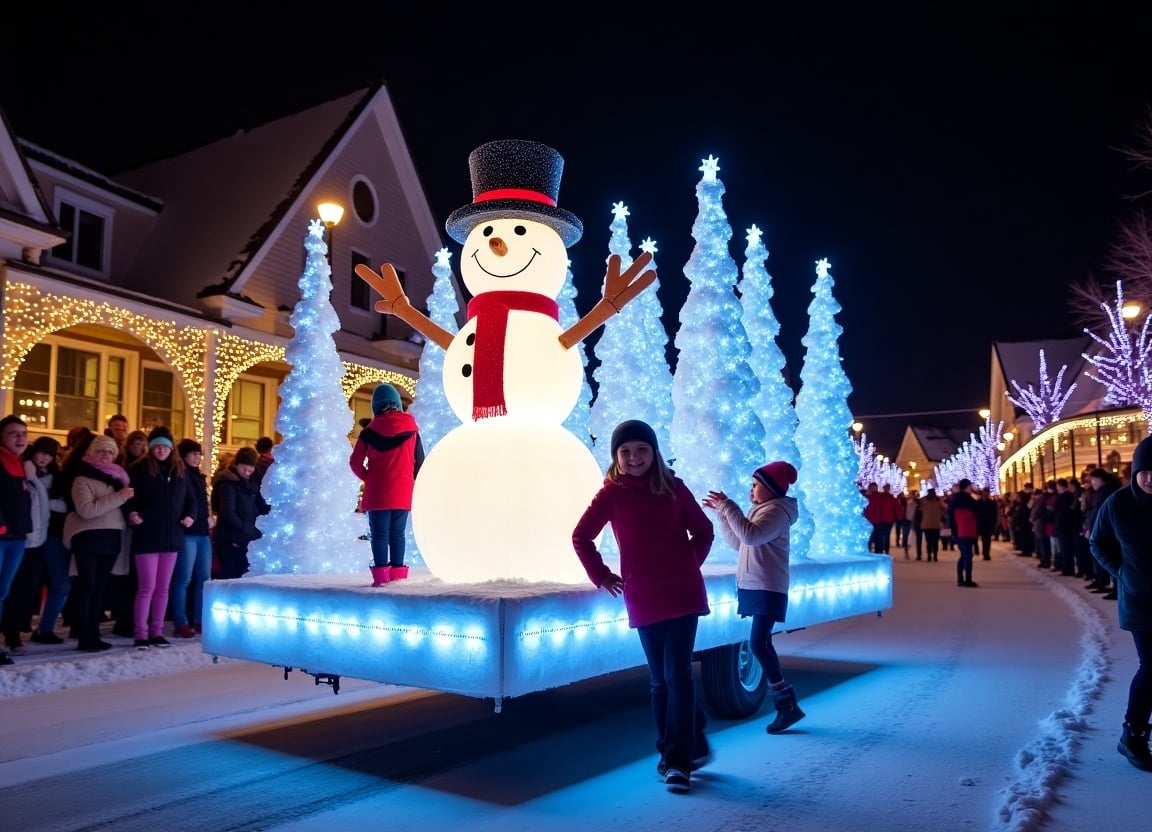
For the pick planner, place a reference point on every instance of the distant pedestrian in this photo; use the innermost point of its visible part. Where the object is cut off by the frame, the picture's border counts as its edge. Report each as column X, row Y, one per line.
column 1122, row 543
column 962, row 520
column 663, row 536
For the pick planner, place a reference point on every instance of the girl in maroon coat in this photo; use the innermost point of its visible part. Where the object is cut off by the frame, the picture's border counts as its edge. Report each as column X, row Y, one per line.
column 663, row 536
column 386, row 457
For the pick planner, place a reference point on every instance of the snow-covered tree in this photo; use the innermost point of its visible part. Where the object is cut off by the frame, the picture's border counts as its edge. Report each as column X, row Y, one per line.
column 829, row 464
column 310, row 488
column 631, row 348
column 1045, row 405
column 773, row 404
column 430, row 408
column 717, row 438
column 1122, row 366
column 578, row 420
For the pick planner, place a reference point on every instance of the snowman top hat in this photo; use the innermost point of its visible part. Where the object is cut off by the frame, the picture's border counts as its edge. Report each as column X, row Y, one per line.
column 515, row 178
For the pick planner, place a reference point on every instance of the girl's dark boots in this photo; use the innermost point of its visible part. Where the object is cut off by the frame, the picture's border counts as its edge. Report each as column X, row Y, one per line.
column 788, row 713
column 1134, row 745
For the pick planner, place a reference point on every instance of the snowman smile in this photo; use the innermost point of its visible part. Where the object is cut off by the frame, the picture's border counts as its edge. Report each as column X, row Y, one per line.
column 521, row 270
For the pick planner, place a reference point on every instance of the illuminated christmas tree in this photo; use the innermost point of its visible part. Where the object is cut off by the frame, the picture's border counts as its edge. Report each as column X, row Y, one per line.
column 631, row 347
column 827, row 481
column 1122, row 365
column 717, row 439
column 578, row 419
column 1045, row 405
column 312, row 527
column 430, row 408
column 774, row 402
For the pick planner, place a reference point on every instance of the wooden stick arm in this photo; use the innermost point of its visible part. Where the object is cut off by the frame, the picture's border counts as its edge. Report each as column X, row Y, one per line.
column 604, row 309
column 395, row 302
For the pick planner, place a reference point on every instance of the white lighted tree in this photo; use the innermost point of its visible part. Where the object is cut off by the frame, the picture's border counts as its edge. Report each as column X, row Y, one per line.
column 578, row 419
column 311, row 489
column 774, row 403
column 430, row 408
column 717, row 438
column 1045, row 405
column 829, row 464
column 1122, row 365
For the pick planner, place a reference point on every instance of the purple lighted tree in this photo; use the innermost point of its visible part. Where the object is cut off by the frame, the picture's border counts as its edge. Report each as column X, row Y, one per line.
column 1045, row 405
column 1122, row 365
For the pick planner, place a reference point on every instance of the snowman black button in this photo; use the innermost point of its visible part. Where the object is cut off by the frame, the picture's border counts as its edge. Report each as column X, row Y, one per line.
column 466, row 370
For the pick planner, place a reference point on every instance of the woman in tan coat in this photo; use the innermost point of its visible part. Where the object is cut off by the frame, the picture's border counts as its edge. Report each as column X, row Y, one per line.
column 931, row 514
column 92, row 531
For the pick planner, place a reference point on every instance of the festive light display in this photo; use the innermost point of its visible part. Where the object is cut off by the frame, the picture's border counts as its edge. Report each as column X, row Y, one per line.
column 430, row 408
column 717, row 438
column 1123, row 365
column 310, row 488
column 578, row 420
column 827, row 481
column 1045, row 405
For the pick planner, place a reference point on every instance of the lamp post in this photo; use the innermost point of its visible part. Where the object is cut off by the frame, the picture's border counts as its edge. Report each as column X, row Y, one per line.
column 330, row 214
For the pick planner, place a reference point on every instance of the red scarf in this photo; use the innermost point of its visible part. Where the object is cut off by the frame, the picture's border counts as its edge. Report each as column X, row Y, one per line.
column 490, row 309
column 12, row 463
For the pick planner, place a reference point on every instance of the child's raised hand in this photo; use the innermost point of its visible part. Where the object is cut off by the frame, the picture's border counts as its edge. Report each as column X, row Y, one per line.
column 714, row 499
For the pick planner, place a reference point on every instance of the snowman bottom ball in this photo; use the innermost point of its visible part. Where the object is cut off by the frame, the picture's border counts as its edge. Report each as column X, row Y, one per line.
column 498, row 499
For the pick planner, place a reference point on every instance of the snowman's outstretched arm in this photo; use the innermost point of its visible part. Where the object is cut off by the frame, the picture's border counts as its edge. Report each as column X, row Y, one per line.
column 619, row 290
column 395, row 302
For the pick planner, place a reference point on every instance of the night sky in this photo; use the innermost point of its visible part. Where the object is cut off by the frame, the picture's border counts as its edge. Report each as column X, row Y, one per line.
column 958, row 168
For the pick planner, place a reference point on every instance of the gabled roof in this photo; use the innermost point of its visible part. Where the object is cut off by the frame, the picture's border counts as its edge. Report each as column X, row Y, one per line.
column 939, row 443
column 1020, row 362
column 22, row 203
column 224, row 200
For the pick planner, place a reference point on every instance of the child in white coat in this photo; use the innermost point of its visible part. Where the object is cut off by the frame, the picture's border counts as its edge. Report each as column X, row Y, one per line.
column 762, row 539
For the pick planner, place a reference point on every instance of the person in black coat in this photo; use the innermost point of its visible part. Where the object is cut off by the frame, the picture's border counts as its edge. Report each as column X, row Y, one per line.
column 159, row 512
column 1122, row 544
column 15, row 505
column 987, row 519
column 238, row 503
column 194, row 564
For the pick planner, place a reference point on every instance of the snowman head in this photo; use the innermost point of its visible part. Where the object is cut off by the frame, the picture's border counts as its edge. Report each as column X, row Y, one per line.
column 515, row 179
column 514, row 255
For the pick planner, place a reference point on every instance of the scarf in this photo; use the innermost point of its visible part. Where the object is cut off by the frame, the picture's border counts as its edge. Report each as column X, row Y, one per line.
column 110, row 470
column 490, row 309
column 12, row 463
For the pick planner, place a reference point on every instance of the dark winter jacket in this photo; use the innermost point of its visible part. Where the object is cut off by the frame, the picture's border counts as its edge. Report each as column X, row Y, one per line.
column 1121, row 542
column 162, row 500
column 1064, row 512
column 1109, row 485
column 663, row 540
column 962, row 515
column 198, row 488
column 987, row 515
column 15, row 502
column 387, row 456
column 238, row 503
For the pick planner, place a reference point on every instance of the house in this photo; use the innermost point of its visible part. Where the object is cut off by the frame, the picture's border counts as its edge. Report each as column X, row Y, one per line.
column 164, row 293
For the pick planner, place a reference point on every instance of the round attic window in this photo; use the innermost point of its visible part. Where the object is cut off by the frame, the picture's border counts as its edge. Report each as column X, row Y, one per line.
column 364, row 201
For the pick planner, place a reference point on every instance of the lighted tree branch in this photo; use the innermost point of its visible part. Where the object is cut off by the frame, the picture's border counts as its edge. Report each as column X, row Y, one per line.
column 1044, row 406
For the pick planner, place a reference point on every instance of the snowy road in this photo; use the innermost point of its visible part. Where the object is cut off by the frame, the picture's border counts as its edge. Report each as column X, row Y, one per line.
column 917, row 721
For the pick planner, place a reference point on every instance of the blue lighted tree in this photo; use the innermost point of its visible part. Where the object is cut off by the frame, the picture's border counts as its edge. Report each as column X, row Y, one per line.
column 578, row 419
column 631, row 347
column 773, row 404
column 829, row 461
column 717, row 439
column 430, row 408
column 310, row 488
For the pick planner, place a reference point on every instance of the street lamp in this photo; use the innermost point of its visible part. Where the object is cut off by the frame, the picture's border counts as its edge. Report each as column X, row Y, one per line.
column 984, row 413
column 857, row 427
column 1130, row 310
column 330, row 214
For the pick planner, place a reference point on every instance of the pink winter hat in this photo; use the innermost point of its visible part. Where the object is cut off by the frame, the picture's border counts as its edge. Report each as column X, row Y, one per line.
column 776, row 477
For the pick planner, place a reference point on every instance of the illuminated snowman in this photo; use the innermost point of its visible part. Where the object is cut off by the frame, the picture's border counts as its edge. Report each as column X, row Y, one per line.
column 499, row 495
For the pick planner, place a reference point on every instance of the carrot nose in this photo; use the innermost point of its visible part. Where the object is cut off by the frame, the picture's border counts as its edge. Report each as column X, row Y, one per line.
column 498, row 246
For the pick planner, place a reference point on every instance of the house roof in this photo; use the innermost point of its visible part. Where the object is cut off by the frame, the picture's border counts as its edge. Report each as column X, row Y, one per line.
column 270, row 164
column 1020, row 362
column 939, row 443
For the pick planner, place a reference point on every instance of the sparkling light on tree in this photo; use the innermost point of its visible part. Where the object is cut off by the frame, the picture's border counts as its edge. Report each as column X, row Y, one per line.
column 578, row 419
column 631, row 347
column 1123, row 365
column 1045, row 405
column 717, row 438
column 827, row 481
column 773, row 404
column 310, row 488
column 430, row 408
column 986, row 457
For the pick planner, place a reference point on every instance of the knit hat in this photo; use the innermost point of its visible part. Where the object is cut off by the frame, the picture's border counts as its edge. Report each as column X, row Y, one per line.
column 1142, row 457
column 103, row 443
column 246, row 456
column 160, row 436
column 385, row 397
column 776, row 477
column 189, row 446
column 633, row 430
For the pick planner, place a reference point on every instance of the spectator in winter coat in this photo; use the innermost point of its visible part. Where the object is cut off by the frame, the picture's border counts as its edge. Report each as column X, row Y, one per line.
column 194, row 564
column 663, row 536
column 931, row 516
column 882, row 511
column 56, row 556
column 762, row 539
column 987, row 520
column 1103, row 484
column 15, row 506
column 386, row 457
column 1122, row 544
column 1022, row 537
column 1064, row 529
column 237, row 503
column 962, row 519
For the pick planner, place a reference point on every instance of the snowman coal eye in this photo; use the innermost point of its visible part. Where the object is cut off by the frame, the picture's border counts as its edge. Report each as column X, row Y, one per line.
column 488, row 231
column 520, row 231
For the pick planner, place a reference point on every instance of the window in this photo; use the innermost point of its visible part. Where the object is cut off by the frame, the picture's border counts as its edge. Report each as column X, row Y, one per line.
column 248, row 411
column 87, row 224
column 61, row 385
column 361, row 292
column 161, row 401
column 364, row 201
